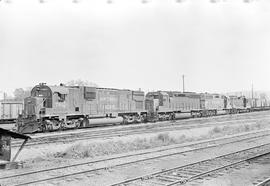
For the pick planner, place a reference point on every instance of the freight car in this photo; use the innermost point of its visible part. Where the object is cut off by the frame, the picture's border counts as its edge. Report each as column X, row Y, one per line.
column 52, row 108
column 9, row 110
column 257, row 104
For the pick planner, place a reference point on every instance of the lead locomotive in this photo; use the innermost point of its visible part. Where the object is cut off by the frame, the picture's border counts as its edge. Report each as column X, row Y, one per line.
column 63, row 107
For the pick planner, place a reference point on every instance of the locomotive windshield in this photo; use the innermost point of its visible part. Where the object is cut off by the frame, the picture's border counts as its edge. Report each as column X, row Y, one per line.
column 45, row 92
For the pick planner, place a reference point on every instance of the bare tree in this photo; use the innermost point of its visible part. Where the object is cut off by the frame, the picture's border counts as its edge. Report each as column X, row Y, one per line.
column 263, row 96
column 80, row 82
column 21, row 93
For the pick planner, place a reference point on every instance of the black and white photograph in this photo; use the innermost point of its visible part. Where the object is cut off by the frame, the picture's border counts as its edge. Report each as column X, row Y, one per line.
column 134, row 92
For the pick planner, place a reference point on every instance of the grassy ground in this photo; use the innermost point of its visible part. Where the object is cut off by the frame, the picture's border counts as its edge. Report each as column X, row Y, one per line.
column 85, row 150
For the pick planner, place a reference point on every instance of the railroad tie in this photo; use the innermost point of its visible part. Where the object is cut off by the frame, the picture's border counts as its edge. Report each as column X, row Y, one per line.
column 153, row 183
column 167, row 178
column 180, row 174
column 193, row 171
column 172, row 177
column 185, row 173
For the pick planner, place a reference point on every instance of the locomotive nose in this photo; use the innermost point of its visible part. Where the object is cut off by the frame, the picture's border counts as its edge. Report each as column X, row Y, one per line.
column 33, row 106
column 29, row 106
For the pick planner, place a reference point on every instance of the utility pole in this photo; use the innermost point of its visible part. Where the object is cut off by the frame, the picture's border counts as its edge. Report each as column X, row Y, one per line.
column 252, row 91
column 183, row 78
column 2, row 105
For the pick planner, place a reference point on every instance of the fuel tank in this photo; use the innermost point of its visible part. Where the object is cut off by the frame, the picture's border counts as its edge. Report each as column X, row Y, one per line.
column 104, row 121
column 183, row 115
column 221, row 112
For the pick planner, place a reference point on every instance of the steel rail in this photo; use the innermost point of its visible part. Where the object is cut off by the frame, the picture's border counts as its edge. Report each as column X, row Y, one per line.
column 164, row 149
column 264, row 182
column 146, row 125
column 219, row 168
column 104, row 134
column 131, row 162
column 152, row 175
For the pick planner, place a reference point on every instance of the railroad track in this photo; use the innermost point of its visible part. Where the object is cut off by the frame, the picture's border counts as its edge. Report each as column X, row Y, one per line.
column 183, row 174
column 67, row 137
column 265, row 182
column 83, row 168
column 258, row 180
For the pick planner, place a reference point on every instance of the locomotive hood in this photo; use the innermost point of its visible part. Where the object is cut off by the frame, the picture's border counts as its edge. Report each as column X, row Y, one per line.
column 59, row 89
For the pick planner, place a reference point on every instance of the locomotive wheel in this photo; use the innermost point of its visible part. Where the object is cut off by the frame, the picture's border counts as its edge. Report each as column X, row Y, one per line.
column 77, row 124
column 49, row 127
column 62, row 125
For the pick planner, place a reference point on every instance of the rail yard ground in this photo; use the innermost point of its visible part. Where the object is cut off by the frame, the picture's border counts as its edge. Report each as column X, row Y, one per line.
column 169, row 138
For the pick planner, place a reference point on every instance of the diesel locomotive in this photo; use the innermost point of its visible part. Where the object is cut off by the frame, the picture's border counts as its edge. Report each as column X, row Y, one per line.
column 51, row 108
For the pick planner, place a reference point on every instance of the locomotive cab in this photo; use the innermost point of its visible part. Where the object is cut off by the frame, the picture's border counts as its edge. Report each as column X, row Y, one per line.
column 35, row 108
column 40, row 99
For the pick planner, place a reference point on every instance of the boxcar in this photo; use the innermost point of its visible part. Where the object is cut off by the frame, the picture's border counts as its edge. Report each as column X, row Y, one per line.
column 10, row 110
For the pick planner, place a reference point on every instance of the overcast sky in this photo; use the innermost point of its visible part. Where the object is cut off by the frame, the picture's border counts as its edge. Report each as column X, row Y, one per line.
column 220, row 47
